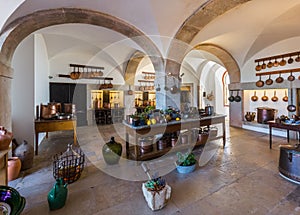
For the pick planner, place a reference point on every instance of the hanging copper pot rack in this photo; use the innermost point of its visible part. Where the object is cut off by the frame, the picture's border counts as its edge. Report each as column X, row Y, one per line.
column 80, row 71
column 278, row 60
column 278, row 72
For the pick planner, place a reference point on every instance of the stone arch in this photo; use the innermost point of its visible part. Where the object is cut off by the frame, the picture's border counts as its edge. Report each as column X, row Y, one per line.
column 16, row 31
column 229, row 62
column 192, row 26
column 132, row 66
column 12, row 35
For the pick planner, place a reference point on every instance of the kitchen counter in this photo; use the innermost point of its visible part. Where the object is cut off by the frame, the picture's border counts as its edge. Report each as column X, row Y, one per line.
column 161, row 128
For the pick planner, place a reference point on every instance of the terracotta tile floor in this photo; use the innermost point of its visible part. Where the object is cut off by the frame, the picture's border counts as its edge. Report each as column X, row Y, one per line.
column 240, row 179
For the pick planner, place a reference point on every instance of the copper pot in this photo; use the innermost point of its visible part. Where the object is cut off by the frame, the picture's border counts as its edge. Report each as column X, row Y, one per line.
column 260, row 83
column 69, row 108
column 291, row 77
column 279, row 79
column 282, row 62
column 270, row 64
column 269, row 81
column 258, row 67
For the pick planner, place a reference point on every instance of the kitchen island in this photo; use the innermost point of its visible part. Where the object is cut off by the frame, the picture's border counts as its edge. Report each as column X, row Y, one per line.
column 132, row 149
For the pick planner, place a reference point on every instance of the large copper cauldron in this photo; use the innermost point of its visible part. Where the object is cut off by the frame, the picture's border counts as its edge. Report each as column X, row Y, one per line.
column 265, row 114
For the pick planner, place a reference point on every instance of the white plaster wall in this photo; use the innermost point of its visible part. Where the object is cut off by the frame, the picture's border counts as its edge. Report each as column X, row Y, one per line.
column 23, row 91
column 286, row 46
column 41, row 67
column 41, row 75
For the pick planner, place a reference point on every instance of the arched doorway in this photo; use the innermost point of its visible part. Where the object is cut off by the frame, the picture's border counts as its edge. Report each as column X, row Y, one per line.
column 19, row 29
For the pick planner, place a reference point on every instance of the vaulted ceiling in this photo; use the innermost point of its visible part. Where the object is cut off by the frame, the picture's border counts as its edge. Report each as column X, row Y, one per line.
column 243, row 31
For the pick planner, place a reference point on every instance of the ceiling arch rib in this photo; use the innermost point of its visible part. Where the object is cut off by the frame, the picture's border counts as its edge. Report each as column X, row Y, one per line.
column 193, row 25
column 16, row 31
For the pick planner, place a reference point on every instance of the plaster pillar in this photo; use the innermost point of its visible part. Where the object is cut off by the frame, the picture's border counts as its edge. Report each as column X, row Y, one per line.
column 6, row 74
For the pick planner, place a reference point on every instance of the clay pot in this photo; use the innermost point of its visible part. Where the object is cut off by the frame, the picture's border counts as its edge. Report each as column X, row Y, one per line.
column 5, row 138
column 13, row 168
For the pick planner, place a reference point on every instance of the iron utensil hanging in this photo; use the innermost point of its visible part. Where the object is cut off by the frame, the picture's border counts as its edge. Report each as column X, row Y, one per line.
column 290, row 60
column 291, row 107
column 231, row 97
column 237, row 98
column 297, row 58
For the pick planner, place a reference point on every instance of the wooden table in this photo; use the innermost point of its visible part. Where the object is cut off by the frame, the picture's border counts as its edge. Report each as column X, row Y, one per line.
column 170, row 127
column 282, row 126
column 41, row 125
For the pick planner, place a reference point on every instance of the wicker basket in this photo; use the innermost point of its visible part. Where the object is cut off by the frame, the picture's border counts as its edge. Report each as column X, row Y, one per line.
column 69, row 165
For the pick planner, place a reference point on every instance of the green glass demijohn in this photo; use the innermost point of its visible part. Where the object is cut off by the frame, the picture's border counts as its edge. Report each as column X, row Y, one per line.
column 112, row 151
column 58, row 195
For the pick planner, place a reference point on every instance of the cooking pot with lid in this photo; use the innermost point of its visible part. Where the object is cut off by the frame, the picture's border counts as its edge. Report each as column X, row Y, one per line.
column 209, row 110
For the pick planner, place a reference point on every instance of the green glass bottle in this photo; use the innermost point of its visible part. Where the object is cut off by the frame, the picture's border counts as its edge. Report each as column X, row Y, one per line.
column 112, row 151
column 58, row 195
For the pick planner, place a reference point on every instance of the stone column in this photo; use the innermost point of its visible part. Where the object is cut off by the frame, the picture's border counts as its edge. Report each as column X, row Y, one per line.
column 6, row 75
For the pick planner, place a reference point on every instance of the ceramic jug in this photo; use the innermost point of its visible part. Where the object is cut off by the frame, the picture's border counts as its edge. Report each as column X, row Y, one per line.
column 112, row 151
column 58, row 195
column 25, row 152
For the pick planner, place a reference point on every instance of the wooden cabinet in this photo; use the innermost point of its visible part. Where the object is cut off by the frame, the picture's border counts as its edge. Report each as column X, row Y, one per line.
column 133, row 149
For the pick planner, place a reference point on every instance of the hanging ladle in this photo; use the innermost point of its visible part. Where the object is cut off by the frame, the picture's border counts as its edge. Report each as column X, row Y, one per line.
column 285, row 98
column 291, row 107
column 274, row 98
column 254, row 98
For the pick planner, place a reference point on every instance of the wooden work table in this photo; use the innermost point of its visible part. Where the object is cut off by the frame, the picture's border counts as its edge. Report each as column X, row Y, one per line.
column 161, row 128
column 287, row 127
column 42, row 125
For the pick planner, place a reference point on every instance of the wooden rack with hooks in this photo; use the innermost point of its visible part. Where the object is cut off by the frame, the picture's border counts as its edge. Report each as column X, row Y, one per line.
column 278, row 72
column 277, row 56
